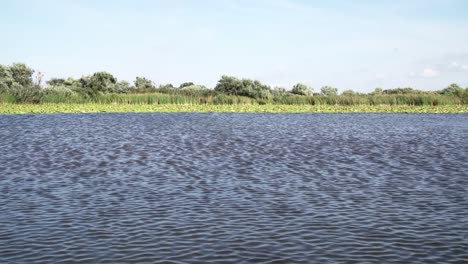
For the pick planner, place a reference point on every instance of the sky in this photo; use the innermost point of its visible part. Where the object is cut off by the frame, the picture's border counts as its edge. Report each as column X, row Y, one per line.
column 358, row 45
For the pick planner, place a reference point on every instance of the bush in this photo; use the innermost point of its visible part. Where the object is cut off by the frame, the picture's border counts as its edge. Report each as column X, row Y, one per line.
column 245, row 87
column 302, row 89
column 59, row 94
column 329, row 91
column 278, row 91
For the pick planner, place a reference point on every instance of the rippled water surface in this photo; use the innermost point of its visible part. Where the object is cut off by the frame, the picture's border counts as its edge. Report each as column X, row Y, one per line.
column 234, row 188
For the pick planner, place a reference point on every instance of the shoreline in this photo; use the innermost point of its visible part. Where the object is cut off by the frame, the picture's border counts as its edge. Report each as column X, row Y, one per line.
column 18, row 109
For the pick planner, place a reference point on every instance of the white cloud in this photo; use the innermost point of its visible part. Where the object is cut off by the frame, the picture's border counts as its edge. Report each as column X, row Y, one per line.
column 429, row 73
column 455, row 66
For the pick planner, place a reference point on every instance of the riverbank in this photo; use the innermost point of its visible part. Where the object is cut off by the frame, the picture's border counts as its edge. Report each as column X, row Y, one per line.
column 173, row 108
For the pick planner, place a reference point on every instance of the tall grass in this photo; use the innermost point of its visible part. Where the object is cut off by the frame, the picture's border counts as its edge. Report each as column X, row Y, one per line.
column 210, row 97
column 348, row 100
column 149, row 98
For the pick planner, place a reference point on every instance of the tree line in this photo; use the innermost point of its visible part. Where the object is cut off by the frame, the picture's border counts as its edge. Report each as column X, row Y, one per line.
column 17, row 84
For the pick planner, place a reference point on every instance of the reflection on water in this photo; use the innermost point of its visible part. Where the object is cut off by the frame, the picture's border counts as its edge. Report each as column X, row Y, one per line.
column 233, row 188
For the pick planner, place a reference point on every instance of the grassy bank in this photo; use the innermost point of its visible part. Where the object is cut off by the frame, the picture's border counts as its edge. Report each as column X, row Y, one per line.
column 173, row 108
column 46, row 96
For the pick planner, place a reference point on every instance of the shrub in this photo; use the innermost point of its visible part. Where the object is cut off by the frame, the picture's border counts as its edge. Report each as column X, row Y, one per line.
column 329, row 91
column 302, row 89
column 245, row 87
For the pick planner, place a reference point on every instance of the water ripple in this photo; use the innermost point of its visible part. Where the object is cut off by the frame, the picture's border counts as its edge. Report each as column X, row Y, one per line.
column 233, row 188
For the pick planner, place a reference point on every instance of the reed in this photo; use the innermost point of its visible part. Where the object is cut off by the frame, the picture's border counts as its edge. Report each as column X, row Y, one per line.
column 60, row 95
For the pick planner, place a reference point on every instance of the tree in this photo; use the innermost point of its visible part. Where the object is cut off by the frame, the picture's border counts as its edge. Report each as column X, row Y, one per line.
column 302, row 89
column 16, row 76
column 229, row 85
column 103, row 82
column 329, row 91
column 195, row 87
column 22, row 74
column 453, row 89
column 407, row 90
column 16, row 81
column 98, row 83
column 186, row 84
column 348, row 93
column 56, row 82
column 278, row 91
column 245, row 87
column 6, row 78
column 122, row 87
column 168, row 86
column 143, row 83
column 378, row 91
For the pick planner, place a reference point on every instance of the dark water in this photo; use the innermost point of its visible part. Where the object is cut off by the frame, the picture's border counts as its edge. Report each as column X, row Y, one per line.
column 224, row 188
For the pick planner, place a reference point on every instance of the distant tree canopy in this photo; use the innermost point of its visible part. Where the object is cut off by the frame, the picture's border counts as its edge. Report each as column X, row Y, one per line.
column 168, row 86
column 407, row 90
column 143, row 84
column 186, row 84
column 56, row 82
column 302, row 89
column 378, row 91
column 279, row 91
column 16, row 75
column 22, row 74
column 122, row 87
column 453, row 89
column 329, row 91
column 245, row 87
column 100, row 82
column 348, row 93
column 16, row 81
column 194, row 87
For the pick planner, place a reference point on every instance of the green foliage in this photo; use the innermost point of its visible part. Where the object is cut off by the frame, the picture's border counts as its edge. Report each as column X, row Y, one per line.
column 167, row 86
column 28, row 94
column 245, row 87
column 6, row 78
column 348, row 93
column 143, row 84
column 22, row 74
column 329, row 91
column 407, row 90
column 194, row 87
column 195, row 90
column 186, row 84
column 122, row 87
column 229, row 85
column 72, row 82
column 16, row 86
column 279, row 91
column 59, row 94
column 222, row 108
column 302, row 89
column 378, row 91
column 452, row 89
column 56, row 82
column 100, row 83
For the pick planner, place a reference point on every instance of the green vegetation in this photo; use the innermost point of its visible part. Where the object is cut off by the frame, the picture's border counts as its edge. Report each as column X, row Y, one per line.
column 302, row 89
column 185, row 108
column 18, row 88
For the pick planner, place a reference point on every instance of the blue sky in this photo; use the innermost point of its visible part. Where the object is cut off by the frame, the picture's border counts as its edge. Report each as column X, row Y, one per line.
column 359, row 44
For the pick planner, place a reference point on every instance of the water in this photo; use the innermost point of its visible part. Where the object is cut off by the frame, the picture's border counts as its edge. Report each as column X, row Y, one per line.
column 234, row 188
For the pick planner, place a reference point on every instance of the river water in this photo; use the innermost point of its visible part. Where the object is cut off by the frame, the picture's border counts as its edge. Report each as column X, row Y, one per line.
column 233, row 188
